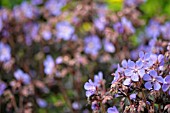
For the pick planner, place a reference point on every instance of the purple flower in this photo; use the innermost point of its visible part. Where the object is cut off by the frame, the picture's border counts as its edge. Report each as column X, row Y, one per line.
column 133, row 71
column 100, row 23
column 158, row 59
column 36, row 2
column 41, row 103
column 132, row 3
column 59, row 60
column 153, row 80
column 118, row 27
column 153, row 29
column 108, row 46
column 64, row 30
column 95, row 106
column 92, row 45
column 127, row 25
column 21, row 76
column 124, row 26
column 5, row 52
column 1, row 24
column 165, row 30
column 133, row 96
column 46, row 35
column 54, row 6
column 28, row 10
column 2, row 87
column 166, row 84
column 98, row 79
column 146, row 59
column 90, row 87
column 49, row 65
column 112, row 110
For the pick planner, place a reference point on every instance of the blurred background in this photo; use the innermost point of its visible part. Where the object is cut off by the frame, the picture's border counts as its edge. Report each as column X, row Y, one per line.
column 50, row 48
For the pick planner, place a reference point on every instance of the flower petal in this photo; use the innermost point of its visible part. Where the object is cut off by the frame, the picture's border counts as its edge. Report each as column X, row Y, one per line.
column 141, row 54
column 135, row 77
column 127, row 81
column 160, row 79
column 167, row 79
column 153, row 73
column 147, row 77
column 165, row 87
column 141, row 72
column 148, row 85
column 131, row 64
column 157, row 86
column 139, row 64
column 128, row 72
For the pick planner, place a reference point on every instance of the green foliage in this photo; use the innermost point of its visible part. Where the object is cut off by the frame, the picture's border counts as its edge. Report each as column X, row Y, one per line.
column 114, row 5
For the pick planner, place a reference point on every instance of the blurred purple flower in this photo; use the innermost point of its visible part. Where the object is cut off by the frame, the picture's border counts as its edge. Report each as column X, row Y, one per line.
column 153, row 29
column 92, row 45
column 59, row 60
column 166, row 84
column 49, row 65
column 41, row 103
column 124, row 25
column 5, row 52
column 1, row 24
column 36, row 2
column 2, row 87
column 29, row 10
column 54, row 6
column 100, row 23
column 108, row 46
column 127, row 25
column 153, row 80
column 21, row 76
column 46, row 35
column 165, row 30
column 131, row 3
column 90, row 87
column 118, row 27
column 64, row 30
column 112, row 110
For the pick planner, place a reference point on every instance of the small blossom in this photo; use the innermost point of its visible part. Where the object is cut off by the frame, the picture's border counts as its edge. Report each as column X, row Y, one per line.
column 92, row 45
column 49, row 65
column 166, row 84
column 165, row 30
column 108, row 46
column 90, row 87
column 41, row 103
column 46, row 35
column 54, row 6
column 2, row 87
column 21, row 76
column 5, row 52
column 134, row 70
column 64, row 30
column 153, row 80
column 153, row 29
column 98, row 79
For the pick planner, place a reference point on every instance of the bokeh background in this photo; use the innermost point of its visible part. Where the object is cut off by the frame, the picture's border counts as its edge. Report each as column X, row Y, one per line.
column 57, row 45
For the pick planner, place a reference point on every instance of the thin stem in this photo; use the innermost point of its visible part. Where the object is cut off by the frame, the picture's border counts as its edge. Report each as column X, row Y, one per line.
column 103, row 107
column 66, row 99
column 143, row 94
